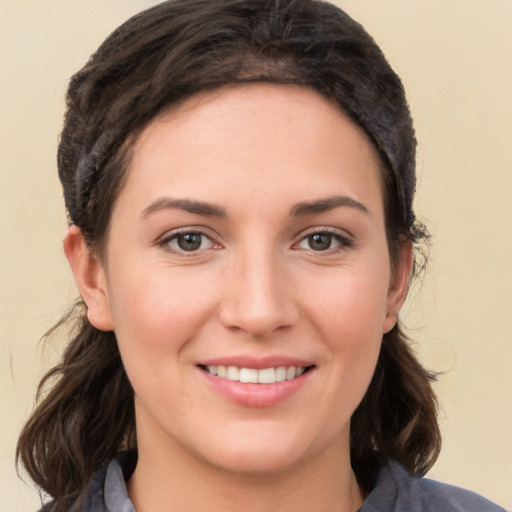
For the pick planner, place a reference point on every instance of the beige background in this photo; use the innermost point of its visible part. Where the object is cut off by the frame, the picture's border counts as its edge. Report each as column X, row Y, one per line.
column 455, row 57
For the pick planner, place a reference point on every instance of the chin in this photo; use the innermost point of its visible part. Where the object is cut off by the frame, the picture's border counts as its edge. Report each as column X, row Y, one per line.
column 257, row 461
column 261, row 453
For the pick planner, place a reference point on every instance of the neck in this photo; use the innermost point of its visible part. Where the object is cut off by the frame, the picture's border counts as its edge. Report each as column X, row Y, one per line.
column 174, row 479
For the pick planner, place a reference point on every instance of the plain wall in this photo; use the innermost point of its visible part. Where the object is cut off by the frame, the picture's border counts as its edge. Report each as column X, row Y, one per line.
column 455, row 58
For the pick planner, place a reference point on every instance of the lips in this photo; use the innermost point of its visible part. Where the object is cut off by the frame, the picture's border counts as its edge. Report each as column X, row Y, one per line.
column 256, row 382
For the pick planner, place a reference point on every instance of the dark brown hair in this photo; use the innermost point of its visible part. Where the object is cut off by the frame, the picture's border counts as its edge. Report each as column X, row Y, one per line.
column 158, row 58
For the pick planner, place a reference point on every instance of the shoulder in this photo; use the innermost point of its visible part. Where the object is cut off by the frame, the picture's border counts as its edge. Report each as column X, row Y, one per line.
column 107, row 488
column 398, row 491
column 94, row 499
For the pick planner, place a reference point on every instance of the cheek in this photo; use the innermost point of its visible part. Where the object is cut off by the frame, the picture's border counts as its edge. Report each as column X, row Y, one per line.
column 354, row 336
column 156, row 318
column 348, row 315
column 350, row 305
column 157, row 311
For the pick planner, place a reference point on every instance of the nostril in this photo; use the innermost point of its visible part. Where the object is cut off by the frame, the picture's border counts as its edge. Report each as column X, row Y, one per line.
column 258, row 320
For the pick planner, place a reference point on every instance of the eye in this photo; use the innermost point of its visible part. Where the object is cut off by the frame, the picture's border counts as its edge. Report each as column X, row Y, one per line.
column 323, row 241
column 188, row 241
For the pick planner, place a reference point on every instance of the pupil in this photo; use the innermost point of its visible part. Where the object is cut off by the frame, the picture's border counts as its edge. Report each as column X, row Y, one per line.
column 320, row 241
column 189, row 241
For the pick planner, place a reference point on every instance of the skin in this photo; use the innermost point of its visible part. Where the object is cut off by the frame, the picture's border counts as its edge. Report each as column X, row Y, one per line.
column 255, row 287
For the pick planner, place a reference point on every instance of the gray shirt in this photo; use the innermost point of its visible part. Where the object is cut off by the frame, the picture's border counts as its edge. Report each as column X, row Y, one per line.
column 395, row 490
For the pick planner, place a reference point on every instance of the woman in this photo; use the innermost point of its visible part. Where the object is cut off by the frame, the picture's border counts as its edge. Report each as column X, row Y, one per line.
column 239, row 178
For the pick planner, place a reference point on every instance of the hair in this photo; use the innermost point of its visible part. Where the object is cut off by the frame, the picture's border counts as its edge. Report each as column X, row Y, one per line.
column 159, row 58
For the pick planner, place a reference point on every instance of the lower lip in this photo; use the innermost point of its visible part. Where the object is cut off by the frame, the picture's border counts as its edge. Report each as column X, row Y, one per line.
column 256, row 395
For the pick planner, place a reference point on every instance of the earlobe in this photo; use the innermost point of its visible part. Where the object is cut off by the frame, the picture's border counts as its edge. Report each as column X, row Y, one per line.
column 399, row 285
column 90, row 279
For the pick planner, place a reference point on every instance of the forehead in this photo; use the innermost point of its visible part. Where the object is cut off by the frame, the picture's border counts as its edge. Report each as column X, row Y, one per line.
column 250, row 140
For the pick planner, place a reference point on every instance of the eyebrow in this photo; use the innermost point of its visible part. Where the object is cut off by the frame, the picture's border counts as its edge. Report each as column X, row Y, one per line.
column 197, row 207
column 324, row 205
column 211, row 210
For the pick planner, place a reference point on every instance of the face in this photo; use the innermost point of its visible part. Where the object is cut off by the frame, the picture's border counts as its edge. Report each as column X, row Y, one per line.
column 247, row 277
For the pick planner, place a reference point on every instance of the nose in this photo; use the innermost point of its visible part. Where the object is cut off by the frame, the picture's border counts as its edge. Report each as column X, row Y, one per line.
column 258, row 298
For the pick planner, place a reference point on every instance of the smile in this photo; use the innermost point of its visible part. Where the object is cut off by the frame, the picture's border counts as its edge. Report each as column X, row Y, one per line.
column 256, row 376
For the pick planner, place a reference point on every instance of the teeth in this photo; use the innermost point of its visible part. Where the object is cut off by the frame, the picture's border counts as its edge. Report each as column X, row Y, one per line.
column 267, row 376
column 248, row 375
column 251, row 375
column 281, row 374
column 232, row 373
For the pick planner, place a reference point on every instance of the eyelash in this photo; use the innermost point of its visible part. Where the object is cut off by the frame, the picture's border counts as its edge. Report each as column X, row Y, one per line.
column 343, row 242
column 166, row 241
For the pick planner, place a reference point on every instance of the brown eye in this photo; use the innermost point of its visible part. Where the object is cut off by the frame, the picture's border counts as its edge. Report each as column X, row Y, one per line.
column 319, row 241
column 188, row 242
column 324, row 241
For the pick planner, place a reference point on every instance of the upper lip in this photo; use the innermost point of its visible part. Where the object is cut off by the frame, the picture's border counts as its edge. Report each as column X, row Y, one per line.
column 257, row 363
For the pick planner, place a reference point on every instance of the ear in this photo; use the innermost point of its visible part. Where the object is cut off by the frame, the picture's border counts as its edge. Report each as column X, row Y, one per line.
column 90, row 278
column 399, row 285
